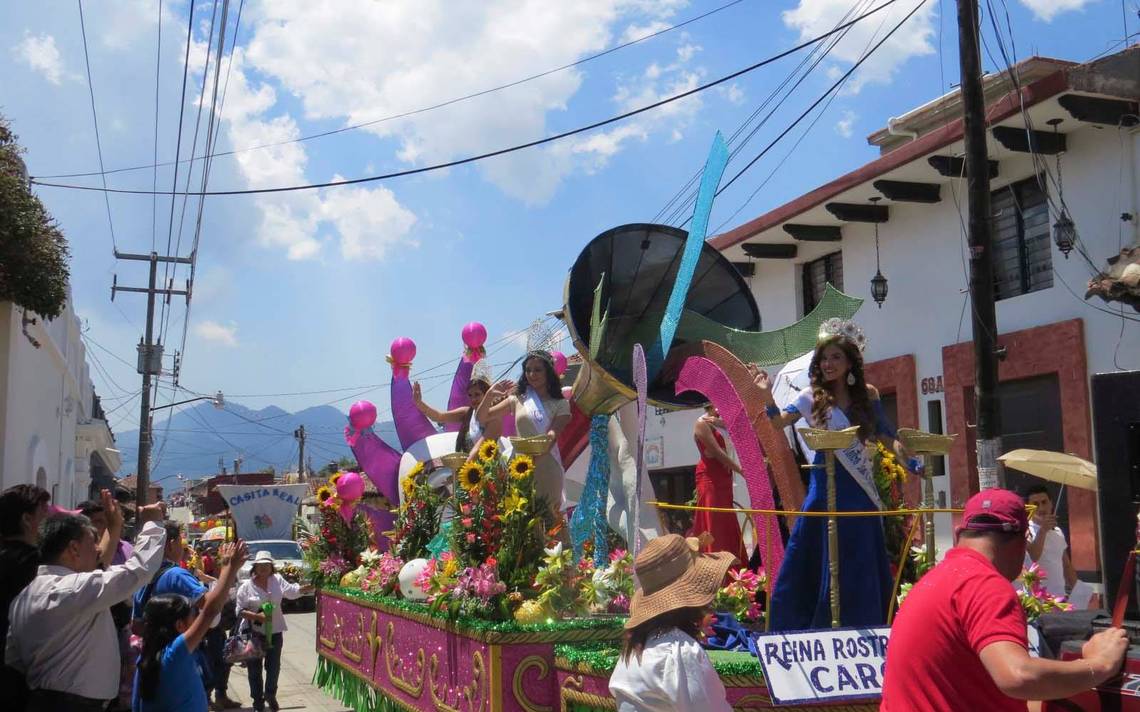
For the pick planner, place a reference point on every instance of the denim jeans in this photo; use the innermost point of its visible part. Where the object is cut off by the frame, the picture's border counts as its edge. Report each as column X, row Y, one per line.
column 272, row 663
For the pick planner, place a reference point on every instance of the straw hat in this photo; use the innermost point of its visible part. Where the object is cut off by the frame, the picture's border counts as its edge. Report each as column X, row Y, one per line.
column 674, row 574
column 264, row 557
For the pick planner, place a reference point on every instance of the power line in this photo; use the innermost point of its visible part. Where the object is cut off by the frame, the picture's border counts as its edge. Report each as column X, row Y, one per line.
column 821, row 98
column 212, row 124
column 190, row 172
column 95, row 120
column 177, row 154
column 511, row 149
column 815, row 58
column 421, row 110
column 157, row 77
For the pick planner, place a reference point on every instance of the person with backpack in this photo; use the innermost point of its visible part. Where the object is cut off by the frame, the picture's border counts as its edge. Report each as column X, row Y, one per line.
column 168, row 678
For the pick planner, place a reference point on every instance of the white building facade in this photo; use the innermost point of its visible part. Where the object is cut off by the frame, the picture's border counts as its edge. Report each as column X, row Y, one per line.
column 920, row 350
column 53, row 432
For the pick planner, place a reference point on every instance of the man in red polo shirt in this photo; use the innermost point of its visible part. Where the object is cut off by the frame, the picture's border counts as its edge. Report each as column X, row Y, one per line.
column 959, row 641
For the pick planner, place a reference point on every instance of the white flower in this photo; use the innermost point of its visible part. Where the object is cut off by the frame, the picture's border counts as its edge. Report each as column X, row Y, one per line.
column 369, row 558
column 554, row 551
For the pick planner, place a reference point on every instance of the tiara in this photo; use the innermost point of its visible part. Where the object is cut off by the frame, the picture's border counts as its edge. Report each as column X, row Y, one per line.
column 846, row 329
column 481, row 371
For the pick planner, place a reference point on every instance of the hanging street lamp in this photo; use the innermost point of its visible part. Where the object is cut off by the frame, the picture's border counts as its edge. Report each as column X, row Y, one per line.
column 878, row 282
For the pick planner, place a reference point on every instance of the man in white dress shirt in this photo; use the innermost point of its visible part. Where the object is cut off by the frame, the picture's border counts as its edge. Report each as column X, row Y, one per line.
column 61, row 633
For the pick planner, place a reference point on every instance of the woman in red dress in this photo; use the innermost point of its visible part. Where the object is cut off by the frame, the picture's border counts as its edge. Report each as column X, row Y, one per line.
column 714, row 488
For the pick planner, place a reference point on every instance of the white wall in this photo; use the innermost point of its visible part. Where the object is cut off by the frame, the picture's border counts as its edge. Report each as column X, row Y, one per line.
column 45, row 394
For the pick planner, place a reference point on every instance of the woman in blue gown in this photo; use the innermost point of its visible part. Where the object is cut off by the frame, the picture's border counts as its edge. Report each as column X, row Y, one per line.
column 838, row 398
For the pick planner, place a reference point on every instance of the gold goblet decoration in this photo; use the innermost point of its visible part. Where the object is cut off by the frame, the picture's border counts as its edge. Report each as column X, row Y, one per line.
column 926, row 444
column 827, row 442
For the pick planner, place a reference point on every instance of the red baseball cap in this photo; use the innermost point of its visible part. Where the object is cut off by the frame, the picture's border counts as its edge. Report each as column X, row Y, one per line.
column 994, row 510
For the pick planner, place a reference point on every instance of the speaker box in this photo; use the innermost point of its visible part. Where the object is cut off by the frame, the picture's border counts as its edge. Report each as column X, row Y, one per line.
column 1116, row 427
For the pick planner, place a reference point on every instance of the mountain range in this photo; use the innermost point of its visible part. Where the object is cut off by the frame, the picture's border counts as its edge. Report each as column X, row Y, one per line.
column 197, row 442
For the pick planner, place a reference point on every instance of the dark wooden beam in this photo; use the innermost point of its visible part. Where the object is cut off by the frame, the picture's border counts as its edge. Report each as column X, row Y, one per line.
column 1022, row 141
column 1095, row 110
column 859, row 212
column 955, row 167
column 746, row 269
column 814, row 233
column 765, row 251
column 904, row 191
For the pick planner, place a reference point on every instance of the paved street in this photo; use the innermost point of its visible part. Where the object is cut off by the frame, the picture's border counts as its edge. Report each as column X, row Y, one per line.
column 295, row 688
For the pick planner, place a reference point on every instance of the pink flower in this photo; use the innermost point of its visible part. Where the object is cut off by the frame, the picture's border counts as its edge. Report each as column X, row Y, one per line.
column 619, row 604
column 467, row 522
column 470, row 537
column 617, row 554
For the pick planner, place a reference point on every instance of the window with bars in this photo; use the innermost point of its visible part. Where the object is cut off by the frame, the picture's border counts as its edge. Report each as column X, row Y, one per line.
column 817, row 273
column 1023, row 257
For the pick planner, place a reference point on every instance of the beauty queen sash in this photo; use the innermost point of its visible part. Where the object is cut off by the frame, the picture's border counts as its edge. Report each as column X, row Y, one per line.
column 536, row 412
column 855, row 458
column 474, row 428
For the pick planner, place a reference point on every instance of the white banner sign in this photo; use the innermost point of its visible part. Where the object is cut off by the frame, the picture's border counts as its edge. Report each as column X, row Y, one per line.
column 841, row 664
column 263, row 511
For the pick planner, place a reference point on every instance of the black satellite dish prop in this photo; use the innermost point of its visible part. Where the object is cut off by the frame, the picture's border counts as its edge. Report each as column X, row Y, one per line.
column 637, row 266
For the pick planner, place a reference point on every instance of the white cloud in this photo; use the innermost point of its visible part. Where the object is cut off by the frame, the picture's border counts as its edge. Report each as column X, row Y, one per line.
column 1046, row 10
column 361, row 61
column 844, row 127
column 815, row 17
column 636, row 32
column 367, row 220
column 217, row 333
column 40, row 53
column 733, row 93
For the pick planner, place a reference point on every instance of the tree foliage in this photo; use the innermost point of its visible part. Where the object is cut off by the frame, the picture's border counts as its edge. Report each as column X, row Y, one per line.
column 33, row 250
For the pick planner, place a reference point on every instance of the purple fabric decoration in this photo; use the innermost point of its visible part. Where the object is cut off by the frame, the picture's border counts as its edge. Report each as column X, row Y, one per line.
column 412, row 426
column 458, row 398
column 378, row 460
column 640, row 381
column 700, row 374
column 382, row 521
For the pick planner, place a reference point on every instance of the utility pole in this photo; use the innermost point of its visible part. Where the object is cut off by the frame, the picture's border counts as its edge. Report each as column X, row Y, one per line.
column 150, row 357
column 299, row 434
column 980, row 241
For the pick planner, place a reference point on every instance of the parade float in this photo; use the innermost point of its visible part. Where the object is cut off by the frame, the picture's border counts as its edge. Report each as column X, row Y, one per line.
column 475, row 596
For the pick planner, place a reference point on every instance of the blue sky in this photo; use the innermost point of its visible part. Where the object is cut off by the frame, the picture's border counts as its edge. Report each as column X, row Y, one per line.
column 304, row 292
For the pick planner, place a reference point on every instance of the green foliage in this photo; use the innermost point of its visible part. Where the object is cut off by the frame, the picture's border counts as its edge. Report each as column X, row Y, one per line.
column 33, row 251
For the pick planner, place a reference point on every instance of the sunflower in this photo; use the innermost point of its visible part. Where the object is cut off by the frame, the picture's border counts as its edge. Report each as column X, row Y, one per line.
column 470, row 476
column 408, row 484
column 324, row 494
column 334, row 478
column 521, row 467
column 416, row 471
column 489, row 450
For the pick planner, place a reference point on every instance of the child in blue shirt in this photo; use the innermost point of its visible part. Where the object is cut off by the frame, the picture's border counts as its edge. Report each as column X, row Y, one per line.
column 167, row 679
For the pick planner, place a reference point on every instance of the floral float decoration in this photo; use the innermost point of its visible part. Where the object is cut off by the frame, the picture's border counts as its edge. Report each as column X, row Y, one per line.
column 739, row 596
column 890, row 478
column 333, row 548
column 1035, row 600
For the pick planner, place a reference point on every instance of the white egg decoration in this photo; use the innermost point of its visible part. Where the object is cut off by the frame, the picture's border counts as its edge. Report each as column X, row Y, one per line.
column 408, row 575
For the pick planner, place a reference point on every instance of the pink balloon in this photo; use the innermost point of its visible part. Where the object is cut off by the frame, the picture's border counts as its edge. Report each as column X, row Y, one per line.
column 362, row 415
column 559, row 362
column 349, row 487
column 474, row 335
column 403, row 350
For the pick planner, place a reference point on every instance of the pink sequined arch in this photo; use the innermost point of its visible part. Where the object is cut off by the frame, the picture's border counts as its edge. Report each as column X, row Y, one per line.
column 715, row 373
